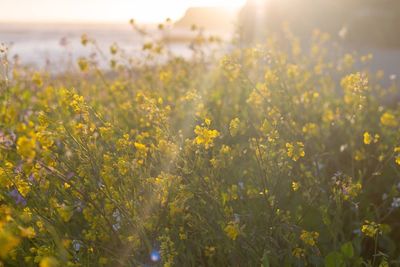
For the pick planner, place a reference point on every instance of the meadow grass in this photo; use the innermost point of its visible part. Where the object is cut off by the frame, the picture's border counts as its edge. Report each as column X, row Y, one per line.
column 271, row 155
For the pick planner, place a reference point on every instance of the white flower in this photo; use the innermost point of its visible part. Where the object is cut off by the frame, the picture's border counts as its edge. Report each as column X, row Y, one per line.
column 396, row 202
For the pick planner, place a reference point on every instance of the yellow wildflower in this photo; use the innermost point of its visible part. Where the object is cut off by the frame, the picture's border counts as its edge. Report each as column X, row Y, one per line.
column 140, row 147
column 26, row 147
column 49, row 262
column 123, row 166
column 309, row 238
column 84, row 39
column 77, row 103
column 367, row 138
column 328, row 115
column 182, row 234
column 113, row 49
column 295, row 186
column 205, row 136
column 298, row 252
column 310, row 128
column 354, row 86
column 232, row 230
column 65, row 212
column 388, row 119
column 397, row 157
column 7, row 242
column 23, row 187
column 28, row 232
column 234, row 126
column 209, row 251
column 359, row 155
column 295, row 150
column 37, row 79
column 370, row 229
column 83, row 64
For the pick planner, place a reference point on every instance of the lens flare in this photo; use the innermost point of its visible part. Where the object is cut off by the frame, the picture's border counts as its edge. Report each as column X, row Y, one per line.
column 155, row 256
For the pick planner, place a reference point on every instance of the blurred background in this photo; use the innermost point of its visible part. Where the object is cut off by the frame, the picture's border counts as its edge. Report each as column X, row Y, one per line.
column 41, row 31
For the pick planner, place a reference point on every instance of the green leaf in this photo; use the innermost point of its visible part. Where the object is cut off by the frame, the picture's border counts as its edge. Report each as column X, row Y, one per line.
column 265, row 260
column 347, row 249
column 334, row 259
column 384, row 263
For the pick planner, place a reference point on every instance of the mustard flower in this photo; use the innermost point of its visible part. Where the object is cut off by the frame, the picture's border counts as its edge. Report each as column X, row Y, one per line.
column 309, row 238
column 205, row 136
column 26, row 147
column 234, row 126
column 295, row 151
column 232, row 230
column 298, row 252
column 370, row 228
column 389, row 119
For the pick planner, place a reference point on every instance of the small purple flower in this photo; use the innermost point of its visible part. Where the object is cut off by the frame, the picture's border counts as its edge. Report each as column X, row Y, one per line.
column 18, row 168
column 77, row 244
column 31, row 178
column 19, row 199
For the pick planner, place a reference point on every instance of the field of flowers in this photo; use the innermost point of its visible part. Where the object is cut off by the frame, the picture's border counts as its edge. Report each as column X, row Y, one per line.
column 272, row 155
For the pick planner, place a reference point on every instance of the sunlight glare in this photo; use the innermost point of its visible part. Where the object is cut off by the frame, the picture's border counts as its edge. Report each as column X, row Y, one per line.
column 103, row 10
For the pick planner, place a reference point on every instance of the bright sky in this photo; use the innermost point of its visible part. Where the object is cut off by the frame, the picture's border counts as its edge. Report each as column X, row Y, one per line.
column 101, row 10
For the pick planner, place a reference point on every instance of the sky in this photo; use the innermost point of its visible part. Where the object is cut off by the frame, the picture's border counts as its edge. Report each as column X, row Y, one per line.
column 147, row 11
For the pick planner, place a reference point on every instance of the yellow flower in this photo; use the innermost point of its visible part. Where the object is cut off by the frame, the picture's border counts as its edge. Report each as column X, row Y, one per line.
column 298, row 252
column 113, row 49
column 295, row 186
column 205, row 136
column 310, row 128
column 209, row 251
column 328, row 115
column 354, row 86
column 397, row 157
column 83, row 64
column 166, row 76
column 28, row 232
column 233, row 126
column 77, row 103
column 388, row 119
column 65, row 212
column 295, row 150
column 7, row 242
column 37, row 79
column 370, row 229
column 26, row 147
column 310, row 238
column 23, row 187
column 84, row 39
column 359, row 155
column 182, row 234
column 367, row 138
column 140, row 147
column 232, row 230
column 49, row 262
column 123, row 166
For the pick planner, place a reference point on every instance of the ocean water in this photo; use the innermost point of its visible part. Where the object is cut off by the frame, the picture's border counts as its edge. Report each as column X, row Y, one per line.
column 57, row 46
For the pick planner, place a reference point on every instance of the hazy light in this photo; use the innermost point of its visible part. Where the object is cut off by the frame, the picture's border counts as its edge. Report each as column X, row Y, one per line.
column 101, row 10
